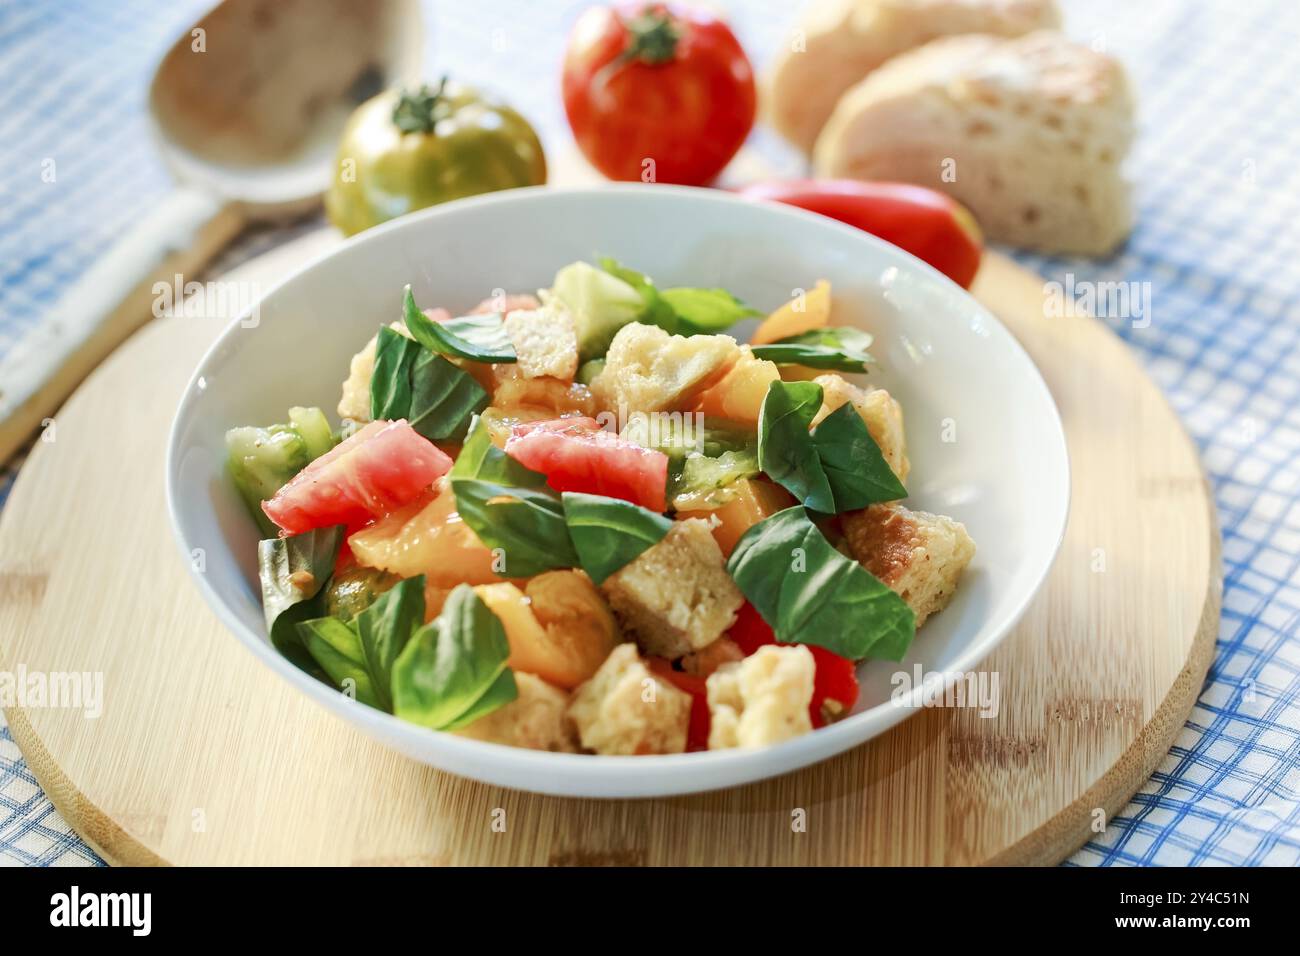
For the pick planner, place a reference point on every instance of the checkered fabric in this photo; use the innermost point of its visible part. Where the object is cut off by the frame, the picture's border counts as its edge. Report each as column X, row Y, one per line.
column 1218, row 239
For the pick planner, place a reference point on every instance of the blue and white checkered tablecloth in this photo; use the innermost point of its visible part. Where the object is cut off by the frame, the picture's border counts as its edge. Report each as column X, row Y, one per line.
column 1218, row 239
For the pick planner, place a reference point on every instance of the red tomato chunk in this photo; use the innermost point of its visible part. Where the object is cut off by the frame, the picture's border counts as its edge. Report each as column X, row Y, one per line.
column 380, row 468
column 576, row 454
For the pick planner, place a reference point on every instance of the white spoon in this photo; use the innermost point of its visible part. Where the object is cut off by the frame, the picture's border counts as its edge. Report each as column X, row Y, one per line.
column 246, row 109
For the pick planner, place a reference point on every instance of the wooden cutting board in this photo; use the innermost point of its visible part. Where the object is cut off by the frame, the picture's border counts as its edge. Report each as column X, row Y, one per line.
column 203, row 756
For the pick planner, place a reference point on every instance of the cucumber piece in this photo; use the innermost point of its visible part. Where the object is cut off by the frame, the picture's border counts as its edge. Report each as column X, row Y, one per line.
column 702, row 481
column 600, row 304
column 314, row 428
column 260, row 461
column 589, row 370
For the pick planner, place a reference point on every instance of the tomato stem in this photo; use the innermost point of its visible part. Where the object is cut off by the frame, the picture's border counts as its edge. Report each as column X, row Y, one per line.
column 652, row 37
column 414, row 112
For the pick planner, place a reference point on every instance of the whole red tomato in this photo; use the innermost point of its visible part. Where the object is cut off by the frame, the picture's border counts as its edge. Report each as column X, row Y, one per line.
column 656, row 92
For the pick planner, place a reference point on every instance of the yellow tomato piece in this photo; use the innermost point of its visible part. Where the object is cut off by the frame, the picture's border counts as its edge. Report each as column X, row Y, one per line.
column 752, row 500
column 812, row 310
column 739, row 396
column 426, row 537
column 559, row 626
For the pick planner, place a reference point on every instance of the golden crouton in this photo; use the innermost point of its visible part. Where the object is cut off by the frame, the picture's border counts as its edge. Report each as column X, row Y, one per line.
column 537, row 719
column 763, row 699
column 676, row 597
column 878, row 411
column 624, row 709
column 545, row 340
column 648, row 370
column 918, row 555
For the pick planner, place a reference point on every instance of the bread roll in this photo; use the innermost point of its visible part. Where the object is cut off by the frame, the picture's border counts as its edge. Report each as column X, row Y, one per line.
column 1029, row 133
column 839, row 42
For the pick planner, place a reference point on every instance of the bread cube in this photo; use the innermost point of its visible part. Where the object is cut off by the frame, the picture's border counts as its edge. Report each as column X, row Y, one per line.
column 545, row 340
column 879, row 411
column 676, row 597
column 625, row 709
column 537, row 719
column 763, row 699
column 918, row 555
column 648, row 370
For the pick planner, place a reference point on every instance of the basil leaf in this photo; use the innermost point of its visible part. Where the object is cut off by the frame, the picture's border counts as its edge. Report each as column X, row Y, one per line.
column 336, row 647
column 479, row 338
column 480, row 458
column 835, row 468
column 293, row 572
column 608, row 533
column 384, row 629
column 503, row 691
column 526, row 524
column 854, row 465
column 364, row 649
column 451, row 670
column 684, row 311
column 436, row 398
column 656, row 309
column 841, row 348
column 510, row 507
column 444, row 398
column 785, row 448
column 390, row 382
column 811, row 594
column 706, row 310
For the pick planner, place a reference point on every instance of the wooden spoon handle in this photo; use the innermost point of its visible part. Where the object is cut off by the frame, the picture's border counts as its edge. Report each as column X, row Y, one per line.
column 116, row 296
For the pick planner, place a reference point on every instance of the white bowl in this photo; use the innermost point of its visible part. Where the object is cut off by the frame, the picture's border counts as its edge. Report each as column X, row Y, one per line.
column 951, row 364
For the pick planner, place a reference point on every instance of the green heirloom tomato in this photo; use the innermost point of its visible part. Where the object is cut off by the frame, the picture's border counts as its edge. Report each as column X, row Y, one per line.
column 405, row 150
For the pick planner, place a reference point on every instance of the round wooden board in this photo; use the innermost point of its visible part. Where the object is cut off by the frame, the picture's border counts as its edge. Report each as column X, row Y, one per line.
column 202, row 756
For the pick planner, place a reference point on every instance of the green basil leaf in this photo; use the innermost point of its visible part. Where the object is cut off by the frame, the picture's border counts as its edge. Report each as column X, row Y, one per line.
column 363, row 650
column 436, row 398
column 706, row 310
column 384, row 629
column 811, row 594
column 837, row 467
column 444, row 398
column 503, row 691
column 785, row 447
column 854, row 465
column 336, row 647
column 390, row 383
column 293, row 572
column 840, row 348
column 608, row 533
column 526, row 524
column 450, row 671
column 656, row 309
column 480, row 458
column 510, row 507
column 479, row 338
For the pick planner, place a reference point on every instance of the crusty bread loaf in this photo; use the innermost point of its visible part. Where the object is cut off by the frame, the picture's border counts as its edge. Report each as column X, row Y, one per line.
column 838, row 42
column 1029, row 133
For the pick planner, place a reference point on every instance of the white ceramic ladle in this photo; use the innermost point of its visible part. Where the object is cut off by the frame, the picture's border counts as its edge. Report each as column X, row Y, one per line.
column 247, row 108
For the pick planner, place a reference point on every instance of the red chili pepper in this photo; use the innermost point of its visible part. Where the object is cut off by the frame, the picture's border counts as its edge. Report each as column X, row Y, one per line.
column 836, row 678
column 930, row 225
column 697, row 736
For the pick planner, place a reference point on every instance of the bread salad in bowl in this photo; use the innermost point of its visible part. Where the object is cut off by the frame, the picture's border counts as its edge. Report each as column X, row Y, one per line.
column 590, row 520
